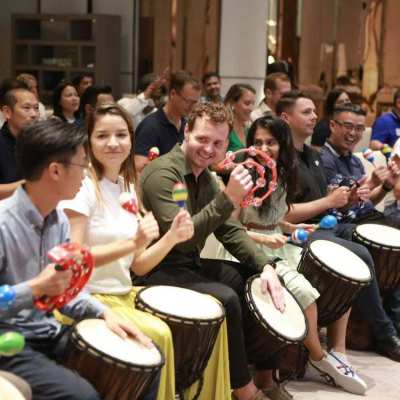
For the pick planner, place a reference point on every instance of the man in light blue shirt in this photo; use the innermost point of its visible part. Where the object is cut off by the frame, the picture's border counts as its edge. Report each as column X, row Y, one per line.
column 53, row 162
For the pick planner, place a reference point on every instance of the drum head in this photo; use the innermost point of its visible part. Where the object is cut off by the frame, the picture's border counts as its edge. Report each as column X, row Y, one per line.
column 8, row 391
column 180, row 302
column 291, row 324
column 380, row 234
column 98, row 336
column 340, row 260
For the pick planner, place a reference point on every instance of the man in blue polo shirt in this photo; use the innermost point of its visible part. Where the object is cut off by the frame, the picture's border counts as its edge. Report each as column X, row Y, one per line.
column 164, row 128
column 386, row 129
column 342, row 167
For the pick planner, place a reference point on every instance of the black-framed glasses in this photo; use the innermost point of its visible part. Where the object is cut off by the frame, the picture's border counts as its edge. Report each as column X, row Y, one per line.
column 189, row 102
column 350, row 127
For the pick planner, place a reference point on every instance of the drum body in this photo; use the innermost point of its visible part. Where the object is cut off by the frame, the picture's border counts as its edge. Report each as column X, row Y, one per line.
column 337, row 273
column 194, row 320
column 267, row 329
column 383, row 242
column 8, row 391
column 117, row 368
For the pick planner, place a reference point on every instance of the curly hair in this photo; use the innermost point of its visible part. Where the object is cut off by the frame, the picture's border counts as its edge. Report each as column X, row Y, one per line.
column 218, row 113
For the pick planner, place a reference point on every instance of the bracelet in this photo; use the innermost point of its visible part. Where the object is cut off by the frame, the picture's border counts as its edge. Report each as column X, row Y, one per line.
column 274, row 262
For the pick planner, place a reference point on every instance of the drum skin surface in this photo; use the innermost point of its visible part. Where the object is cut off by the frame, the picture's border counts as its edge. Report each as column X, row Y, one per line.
column 333, row 269
column 267, row 329
column 383, row 242
column 194, row 319
column 118, row 368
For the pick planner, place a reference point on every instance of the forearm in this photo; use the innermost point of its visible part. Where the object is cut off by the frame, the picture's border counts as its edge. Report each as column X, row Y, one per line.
column 7, row 189
column 153, row 255
column 257, row 237
column 107, row 253
column 301, row 212
column 377, row 195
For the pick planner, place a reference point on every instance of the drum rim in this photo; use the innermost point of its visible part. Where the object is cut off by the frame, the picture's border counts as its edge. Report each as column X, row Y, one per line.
column 256, row 313
column 78, row 338
column 143, row 306
column 331, row 271
column 10, row 386
column 373, row 243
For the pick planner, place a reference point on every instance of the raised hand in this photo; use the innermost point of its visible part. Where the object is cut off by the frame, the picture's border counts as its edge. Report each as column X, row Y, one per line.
column 240, row 183
column 148, row 231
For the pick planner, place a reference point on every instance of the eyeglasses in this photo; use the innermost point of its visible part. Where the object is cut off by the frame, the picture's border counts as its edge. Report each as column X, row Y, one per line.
column 189, row 102
column 350, row 127
column 85, row 167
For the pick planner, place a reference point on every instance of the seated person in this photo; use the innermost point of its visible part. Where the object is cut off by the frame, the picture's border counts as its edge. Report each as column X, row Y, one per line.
column 342, row 167
column 311, row 203
column 81, row 82
column 20, row 108
column 151, row 96
column 52, row 159
column 119, row 242
column 240, row 98
column 266, row 225
column 164, row 128
column 386, row 128
column 335, row 98
column 31, row 82
column 206, row 140
column 66, row 103
column 211, row 87
column 93, row 97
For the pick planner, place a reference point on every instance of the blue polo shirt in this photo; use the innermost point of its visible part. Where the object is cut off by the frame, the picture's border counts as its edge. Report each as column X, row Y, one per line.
column 156, row 130
column 8, row 164
column 346, row 166
column 386, row 128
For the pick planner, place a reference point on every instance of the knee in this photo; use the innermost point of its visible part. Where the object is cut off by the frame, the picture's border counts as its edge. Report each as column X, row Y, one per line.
column 82, row 391
column 158, row 331
column 231, row 302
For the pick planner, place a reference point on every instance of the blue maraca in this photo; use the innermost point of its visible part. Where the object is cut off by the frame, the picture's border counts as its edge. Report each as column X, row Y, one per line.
column 7, row 296
column 299, row 236
column 328, row 222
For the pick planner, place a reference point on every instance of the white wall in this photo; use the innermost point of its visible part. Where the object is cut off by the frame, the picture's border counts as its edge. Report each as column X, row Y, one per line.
column 9, row 7
column 125, row 9
column 243, row 53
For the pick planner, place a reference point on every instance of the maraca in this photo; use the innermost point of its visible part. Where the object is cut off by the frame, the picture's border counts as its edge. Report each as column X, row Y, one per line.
column 327, row 222
column 299, row 236
column 386, row 151
column 7, row 296
column 179, row 194
column 128, row 202
column 153, row 153
column 11, row 343
column 369, row 155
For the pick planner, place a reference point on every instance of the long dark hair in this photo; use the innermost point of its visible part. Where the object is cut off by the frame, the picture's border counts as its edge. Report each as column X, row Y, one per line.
column 286, row 163
column 58, row 111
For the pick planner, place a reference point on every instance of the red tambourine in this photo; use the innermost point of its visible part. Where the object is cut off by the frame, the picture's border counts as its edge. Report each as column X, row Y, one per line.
column 68, row 256
column 250, row 163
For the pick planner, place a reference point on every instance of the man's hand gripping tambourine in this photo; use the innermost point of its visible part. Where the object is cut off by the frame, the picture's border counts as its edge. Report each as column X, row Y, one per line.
column 250, row 163
column 80, row 261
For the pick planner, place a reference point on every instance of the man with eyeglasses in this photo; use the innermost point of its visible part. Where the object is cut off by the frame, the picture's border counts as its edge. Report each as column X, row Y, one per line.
column 20, row 107
column 313, row 201
column 164, row 128
column 343, row 168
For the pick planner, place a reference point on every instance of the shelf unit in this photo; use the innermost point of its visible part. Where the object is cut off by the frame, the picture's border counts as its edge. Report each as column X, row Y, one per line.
column 56, row 47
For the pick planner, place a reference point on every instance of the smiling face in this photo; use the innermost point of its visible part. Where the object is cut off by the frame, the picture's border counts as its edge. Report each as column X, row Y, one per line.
column 205, row 144
column 244, row 106
column 265, row 141
column 347, row 129
column 110, row 142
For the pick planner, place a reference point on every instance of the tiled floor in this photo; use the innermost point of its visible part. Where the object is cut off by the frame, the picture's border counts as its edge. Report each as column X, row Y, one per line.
column 381, row 375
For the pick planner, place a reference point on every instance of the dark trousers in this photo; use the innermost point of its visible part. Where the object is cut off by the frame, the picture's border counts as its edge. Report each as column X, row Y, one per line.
column 369, row 300
column 48, row 379
column 37, row 364
column 225, row 281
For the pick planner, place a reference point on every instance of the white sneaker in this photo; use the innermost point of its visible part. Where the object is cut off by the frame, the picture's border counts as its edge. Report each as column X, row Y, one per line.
column 336, row 369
